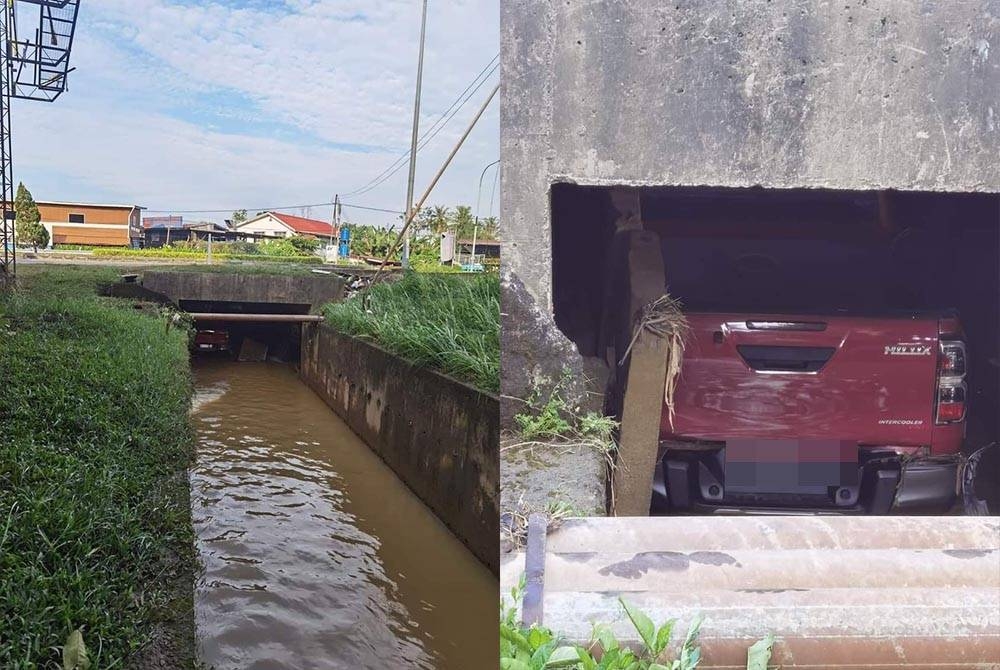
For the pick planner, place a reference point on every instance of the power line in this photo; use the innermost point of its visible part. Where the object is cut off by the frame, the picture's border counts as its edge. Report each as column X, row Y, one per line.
column 394, row 167
column 269, row 209
column 435, row 128
column 423, row 143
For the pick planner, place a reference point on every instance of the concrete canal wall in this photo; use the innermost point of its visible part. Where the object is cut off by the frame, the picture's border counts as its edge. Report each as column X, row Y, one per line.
column 440, row 436
column 309, row 291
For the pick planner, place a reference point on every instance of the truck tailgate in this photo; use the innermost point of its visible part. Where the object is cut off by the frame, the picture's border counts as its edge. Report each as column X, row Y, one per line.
column 869, row 380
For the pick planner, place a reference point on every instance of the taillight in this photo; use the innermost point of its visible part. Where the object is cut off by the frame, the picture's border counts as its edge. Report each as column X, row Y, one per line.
column 951, row 382
column 951, row 362
column 949, row 328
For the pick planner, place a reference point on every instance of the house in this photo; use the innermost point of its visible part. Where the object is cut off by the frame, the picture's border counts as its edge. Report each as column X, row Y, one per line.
column 91, row 224
column 162, row 230
column 484, row 248
column 277, row 225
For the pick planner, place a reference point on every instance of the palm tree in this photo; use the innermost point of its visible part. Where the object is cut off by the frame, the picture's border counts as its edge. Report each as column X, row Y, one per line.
column 463, row 222
column 489, row 228
column 439, row 218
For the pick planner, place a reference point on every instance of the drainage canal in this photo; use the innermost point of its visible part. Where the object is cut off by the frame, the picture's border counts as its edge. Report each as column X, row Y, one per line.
column 315, row 555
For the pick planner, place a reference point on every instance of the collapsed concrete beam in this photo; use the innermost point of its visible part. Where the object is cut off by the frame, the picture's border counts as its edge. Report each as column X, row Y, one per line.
column 645, row 374
column 872, row 592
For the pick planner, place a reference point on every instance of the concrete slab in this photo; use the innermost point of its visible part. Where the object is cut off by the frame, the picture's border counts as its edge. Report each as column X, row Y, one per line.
column 837, row 592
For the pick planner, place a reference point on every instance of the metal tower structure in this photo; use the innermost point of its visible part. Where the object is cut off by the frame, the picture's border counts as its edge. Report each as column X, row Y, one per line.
column 31, row 68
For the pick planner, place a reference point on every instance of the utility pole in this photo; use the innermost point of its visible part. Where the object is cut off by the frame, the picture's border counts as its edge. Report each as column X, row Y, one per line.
column 434, row 181
column 335, row 227
column 413, row 140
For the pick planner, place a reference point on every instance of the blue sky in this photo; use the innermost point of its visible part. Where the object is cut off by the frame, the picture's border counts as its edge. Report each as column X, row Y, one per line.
column 218, row 104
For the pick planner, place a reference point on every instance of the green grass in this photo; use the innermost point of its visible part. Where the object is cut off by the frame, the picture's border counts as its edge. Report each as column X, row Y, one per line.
column 242, row 267
column 95, row 527
column 63, row 281
column 167, row 252
column 449, row 323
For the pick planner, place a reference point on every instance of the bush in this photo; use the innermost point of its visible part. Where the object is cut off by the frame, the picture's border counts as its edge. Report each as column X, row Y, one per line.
column 305, row 244
column 449, row 323
column 279, row 248
column 245, row 248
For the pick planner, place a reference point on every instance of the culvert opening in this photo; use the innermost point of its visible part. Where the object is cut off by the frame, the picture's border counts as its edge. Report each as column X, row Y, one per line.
column 881, row 272
column 255, row 340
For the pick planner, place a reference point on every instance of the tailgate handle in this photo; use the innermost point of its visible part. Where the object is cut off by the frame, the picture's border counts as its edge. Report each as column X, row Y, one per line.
column 785, row 359
column 809, row 326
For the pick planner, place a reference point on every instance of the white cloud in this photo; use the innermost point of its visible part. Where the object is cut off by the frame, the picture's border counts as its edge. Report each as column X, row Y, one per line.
column 187, row 106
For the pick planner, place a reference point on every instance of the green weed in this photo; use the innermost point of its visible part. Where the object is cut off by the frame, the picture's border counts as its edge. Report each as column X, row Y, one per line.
column 450, row 323
column 548, row 422
column 556, row 420
column 538, row 648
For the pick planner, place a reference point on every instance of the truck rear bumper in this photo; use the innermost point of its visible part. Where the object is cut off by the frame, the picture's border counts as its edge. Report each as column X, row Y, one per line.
column 928, row 484
column 691, row 481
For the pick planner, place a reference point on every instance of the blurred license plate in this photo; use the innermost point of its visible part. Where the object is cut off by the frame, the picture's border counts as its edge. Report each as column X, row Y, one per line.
column 790, row 466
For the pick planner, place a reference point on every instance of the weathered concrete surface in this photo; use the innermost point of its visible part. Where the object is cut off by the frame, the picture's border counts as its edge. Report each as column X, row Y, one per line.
column 312, row 291
column 441, row 437
column 872, row 592
column 639, row 438
column 857, row 94
column 536, row 358
column 546, row 477
column 645, row 374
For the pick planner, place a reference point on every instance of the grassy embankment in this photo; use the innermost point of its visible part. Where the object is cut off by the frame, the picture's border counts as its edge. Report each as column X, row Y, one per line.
column 450, row 323
column 190, row 255
column 95, row 524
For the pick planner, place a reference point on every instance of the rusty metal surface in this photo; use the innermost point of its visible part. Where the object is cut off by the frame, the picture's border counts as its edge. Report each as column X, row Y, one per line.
column 256, row 318
column 838, row 592
column 533, row 606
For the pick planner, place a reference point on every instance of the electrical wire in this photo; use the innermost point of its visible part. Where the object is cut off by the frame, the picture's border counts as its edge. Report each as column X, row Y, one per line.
column 394, row 167
column 434, row 129
column 270, row 209
column 402, row 159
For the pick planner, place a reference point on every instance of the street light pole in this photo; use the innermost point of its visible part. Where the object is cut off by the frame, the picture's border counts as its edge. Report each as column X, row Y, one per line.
column 413, row 138
column 479, row 195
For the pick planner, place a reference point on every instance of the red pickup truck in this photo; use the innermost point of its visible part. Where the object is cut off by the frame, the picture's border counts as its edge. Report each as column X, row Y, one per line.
column 780, row 412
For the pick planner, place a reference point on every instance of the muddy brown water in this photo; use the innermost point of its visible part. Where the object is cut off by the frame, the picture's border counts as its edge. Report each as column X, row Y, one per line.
column 315, row 554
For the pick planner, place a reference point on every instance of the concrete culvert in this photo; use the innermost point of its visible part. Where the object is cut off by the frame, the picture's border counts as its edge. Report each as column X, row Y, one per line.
column 842, row 345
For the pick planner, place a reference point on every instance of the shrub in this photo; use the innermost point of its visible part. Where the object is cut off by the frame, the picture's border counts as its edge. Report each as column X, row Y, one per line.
column 305, row 244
